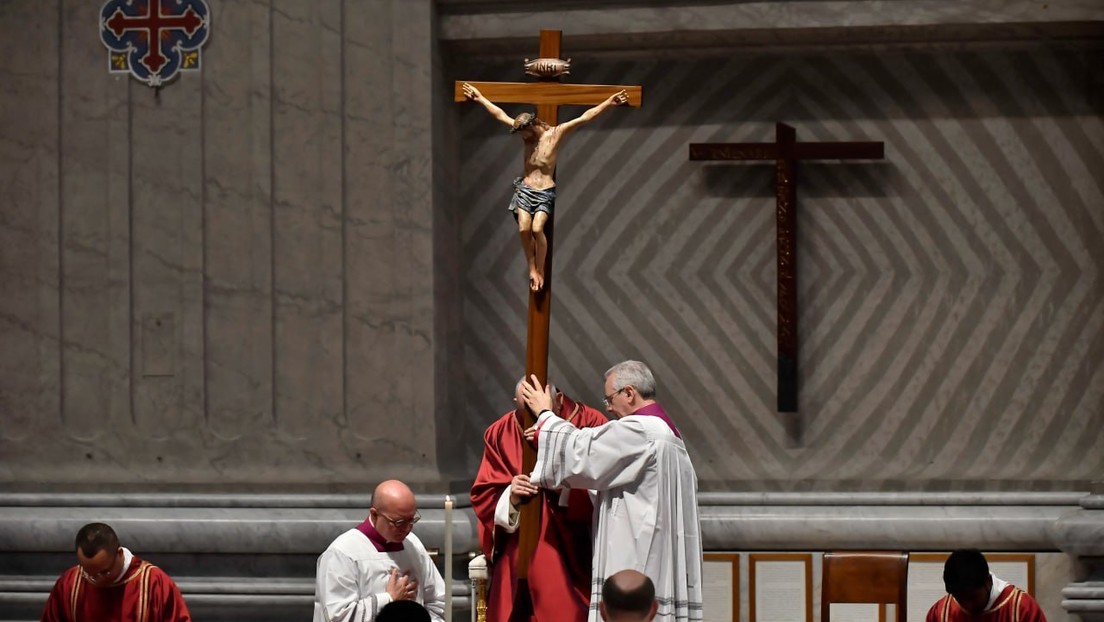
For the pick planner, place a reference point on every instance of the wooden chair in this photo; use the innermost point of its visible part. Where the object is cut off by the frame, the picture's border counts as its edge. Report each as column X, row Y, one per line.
column 865, row 577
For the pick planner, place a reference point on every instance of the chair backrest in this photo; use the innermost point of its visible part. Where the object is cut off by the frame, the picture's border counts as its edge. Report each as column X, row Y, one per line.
column 864, row 577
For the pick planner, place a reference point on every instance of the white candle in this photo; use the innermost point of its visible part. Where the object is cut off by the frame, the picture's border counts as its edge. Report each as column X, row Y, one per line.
column 448, row 558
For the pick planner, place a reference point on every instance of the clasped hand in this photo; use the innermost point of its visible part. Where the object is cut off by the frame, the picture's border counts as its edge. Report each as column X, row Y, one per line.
column 521, row 488
column 401, row 587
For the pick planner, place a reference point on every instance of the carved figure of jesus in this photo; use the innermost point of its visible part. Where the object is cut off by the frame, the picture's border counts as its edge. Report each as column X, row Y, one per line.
column 535, row 192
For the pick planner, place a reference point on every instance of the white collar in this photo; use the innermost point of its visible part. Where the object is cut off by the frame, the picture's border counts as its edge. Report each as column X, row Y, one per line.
column 998, row 587
column 127, row 558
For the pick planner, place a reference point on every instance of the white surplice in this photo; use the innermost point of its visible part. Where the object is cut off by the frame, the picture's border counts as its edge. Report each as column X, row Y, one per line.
column 647, row 511
column 351, row 581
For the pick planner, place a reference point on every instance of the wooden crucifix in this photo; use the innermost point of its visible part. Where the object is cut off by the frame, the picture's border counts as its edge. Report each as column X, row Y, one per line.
column 548, row 94
column 786, row 152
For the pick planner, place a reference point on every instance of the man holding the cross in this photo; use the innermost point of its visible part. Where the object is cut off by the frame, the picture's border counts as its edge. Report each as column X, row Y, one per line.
column 647, row 516
column 535, row 193
column 559, row 574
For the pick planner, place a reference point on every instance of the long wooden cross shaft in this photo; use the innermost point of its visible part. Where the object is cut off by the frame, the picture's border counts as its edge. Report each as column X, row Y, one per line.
column 786, row 152
column 548, row 95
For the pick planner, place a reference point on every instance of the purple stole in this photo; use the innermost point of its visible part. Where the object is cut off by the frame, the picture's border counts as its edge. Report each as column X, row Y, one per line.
column 378, row 541
column 655, row 410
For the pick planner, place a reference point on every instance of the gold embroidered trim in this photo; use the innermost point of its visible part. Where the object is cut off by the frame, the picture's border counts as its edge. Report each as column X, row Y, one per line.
column 74, row 594
column 143, row 592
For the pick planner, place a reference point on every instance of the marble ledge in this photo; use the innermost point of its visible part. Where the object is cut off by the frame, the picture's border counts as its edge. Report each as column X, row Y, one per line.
column 914, row 528
column 210, row 500
column 207, row 529
column 1085, row 608
column 303, row 523
column 1067, row 499
column 748, row 17
column 1081, row 532
column 1090, row 590
column 1093, row 502
column 193, row 586
column 190, row 585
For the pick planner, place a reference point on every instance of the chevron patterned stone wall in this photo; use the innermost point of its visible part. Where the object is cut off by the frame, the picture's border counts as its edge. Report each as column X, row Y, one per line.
column 950, row 297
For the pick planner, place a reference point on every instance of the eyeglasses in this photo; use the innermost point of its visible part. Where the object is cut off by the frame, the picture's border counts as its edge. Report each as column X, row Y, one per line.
column 93, row 576
column 606, row 399
column 401, row 523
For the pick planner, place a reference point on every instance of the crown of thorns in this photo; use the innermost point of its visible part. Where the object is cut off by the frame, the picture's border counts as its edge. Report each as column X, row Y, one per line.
column 523, row 120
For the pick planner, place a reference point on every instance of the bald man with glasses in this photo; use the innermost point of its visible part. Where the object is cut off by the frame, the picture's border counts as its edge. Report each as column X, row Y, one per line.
column 111, row 583
column 378, row 562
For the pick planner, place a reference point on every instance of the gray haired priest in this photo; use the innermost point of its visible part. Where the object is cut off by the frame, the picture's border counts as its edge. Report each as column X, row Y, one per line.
column 647, row 511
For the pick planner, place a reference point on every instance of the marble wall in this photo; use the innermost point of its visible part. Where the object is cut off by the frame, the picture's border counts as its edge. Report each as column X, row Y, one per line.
column 293, row 272
column 230, row 281
column 290, row 267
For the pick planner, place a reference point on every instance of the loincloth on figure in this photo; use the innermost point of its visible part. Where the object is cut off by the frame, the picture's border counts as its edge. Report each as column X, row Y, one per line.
column 532, row 200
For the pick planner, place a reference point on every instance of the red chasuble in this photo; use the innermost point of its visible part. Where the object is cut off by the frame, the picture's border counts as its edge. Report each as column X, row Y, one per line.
column 145, row 594
column 559, row 573
column 1013, row 605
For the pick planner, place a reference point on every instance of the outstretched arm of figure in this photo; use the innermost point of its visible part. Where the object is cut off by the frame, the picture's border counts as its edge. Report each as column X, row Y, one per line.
column 619, row 98
column 473, row 94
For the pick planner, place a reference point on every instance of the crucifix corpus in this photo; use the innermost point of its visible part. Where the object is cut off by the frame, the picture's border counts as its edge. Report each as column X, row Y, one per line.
column 532, row 203
column 786, row 152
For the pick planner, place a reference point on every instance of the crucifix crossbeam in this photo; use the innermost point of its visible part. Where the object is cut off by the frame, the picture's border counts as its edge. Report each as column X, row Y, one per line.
column 786, row 152
column 547, row 94
column 552, row 94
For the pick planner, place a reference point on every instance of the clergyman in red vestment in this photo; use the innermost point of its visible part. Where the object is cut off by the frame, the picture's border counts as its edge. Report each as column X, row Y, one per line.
column 559, row 571
column 975, row 595
column 111, row 583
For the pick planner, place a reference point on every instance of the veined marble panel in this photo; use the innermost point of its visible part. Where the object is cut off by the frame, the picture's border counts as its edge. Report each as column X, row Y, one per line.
column 30, row 176
column 391, row 410
column 167, row 274
column 238, row 215
column 95, row 233
column 307, row 221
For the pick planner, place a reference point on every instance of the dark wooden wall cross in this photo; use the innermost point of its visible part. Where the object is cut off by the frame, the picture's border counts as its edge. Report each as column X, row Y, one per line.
column 786, row 152
column 548, row 95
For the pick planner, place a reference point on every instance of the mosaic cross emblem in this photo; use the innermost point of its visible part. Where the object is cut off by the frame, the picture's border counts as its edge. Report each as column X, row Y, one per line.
column 154, row 40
